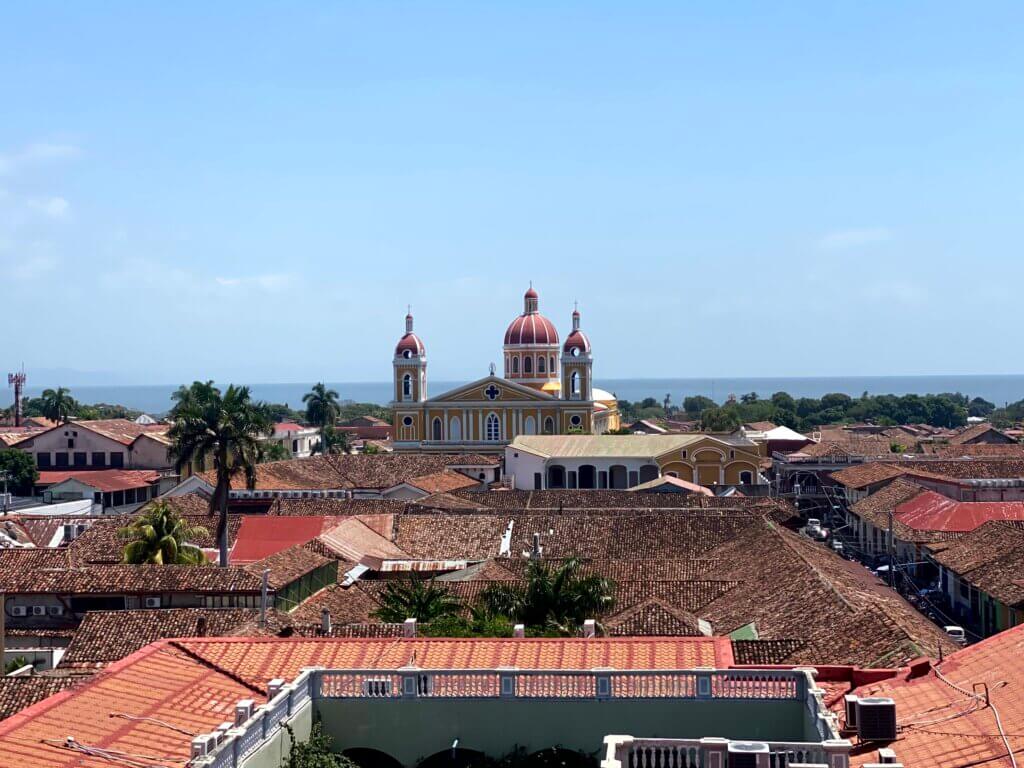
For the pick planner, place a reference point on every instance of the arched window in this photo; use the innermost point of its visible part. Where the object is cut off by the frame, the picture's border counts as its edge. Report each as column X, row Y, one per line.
column 549, row 426
column 551, row 363
column 527, row 364
column 436, row 429
column 407, row 385
column 455, row 429
column 574, row 384
column 540, row 365
column 529, row 426
column 492, row 427
column 515, row 364
column 746, row 478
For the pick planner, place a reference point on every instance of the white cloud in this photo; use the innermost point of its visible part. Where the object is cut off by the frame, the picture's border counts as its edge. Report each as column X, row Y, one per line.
column 54, row 207
column 851, row 238
column 37, row 152
column 31, row 267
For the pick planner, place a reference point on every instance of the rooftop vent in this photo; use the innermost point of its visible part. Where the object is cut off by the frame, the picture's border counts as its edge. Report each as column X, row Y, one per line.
column 743, row 754
column 519, row 630
column 243, row 710
column 204, row 744
column 876, row 719
column 325, row 621
column 589, row 628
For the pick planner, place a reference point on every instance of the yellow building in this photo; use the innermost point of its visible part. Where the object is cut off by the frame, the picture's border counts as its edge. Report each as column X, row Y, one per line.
column 547, row 389
column 626, row 461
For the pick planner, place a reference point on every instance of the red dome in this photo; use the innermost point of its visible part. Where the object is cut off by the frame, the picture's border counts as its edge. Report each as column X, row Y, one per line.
column 530, row 293
column 577, row 340
column 410, row 343
column 531, row 329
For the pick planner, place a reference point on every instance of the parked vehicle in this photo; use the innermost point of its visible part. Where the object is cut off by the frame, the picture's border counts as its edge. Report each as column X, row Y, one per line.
column 956, row 634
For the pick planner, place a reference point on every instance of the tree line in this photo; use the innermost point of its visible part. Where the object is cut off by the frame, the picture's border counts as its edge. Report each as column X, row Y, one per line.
column 948, row 410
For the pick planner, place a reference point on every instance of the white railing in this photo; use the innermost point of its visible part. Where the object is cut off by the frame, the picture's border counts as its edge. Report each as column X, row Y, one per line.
column 235, row 744
column 412, row 682
column 630, row 752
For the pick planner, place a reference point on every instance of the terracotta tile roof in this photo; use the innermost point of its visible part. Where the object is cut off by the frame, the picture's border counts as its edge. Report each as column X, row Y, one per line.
column 875, row 510
column 353, row 539
column 286, row 566
column 11, row 435
column 337, row 472
column 159, row 682
column 764, row 652
column 991, row 558
column 120, row 430
column 652, row 617
column 258, row 660
column 17, row 693
column 442, row 482
column 351, row 605
column 102, row 479
column 106, row 636
column 45, row 528
column 977, row 431
column 862, row 475
column 965, row 734
column 969, row 469
column 974, row 450
column 51, row 572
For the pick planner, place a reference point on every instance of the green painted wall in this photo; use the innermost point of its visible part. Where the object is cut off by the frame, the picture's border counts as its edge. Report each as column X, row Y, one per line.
column 409, row 730
column 274, row 752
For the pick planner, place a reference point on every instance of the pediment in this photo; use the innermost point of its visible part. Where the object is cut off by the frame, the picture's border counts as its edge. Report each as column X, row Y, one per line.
column 491, row 389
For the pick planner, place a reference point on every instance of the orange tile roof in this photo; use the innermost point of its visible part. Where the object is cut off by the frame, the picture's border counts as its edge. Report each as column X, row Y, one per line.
column 193, row 684
column 159, row 682
column 257, row 660
column 941, row 727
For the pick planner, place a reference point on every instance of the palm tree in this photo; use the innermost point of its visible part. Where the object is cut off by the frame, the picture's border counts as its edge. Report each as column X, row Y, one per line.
column 226, row 428
column 554, row 597
column 321, row 409
column 58, row 405
column 416, row 599
column 159, row 536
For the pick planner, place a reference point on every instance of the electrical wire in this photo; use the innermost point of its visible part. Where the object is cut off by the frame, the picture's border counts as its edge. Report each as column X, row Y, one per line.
column 126, row 716
column 988, row 702
column 116, row 756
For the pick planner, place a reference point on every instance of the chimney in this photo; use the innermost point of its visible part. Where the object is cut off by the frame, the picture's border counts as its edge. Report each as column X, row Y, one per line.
column 519, row 631
column 589, row 628
column 325, row 622
column 409, row 628
column 201, row 626
column 535, row 552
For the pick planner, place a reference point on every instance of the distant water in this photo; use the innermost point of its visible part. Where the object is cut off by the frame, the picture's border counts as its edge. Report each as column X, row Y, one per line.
column 1000, row 390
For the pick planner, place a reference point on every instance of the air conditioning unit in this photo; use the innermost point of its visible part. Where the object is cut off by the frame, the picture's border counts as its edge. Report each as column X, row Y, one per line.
column 55, row 610
column 743, row 754
column 151, row 602
column 377, row 687
column 876, row 719
column 19, row 610
column 850, row 704
column 38, row 610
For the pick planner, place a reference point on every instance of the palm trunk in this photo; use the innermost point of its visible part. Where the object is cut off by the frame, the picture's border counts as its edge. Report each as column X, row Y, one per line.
column 223, row 489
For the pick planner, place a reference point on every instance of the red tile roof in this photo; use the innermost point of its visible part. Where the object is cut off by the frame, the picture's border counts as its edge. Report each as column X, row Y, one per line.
column 934, row 512
column 942, row 727
column 102, row 479
column 260, row 536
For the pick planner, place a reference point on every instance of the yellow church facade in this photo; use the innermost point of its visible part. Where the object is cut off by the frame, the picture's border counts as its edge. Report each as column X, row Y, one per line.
column 547, row 389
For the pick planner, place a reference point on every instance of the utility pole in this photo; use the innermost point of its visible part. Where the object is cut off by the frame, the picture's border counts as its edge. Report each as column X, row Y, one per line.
column 263, row 597
column 4, row 474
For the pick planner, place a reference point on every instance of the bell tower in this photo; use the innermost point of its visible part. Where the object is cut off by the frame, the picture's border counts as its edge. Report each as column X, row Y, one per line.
column 410, row 364
column 577, row 364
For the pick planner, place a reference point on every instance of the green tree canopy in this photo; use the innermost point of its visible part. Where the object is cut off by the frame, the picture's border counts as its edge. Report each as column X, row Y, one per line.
column 159, row 536
column 21, row 471
column 58, row 405
column 415, row 598
column 557, row 597
column 224, row 428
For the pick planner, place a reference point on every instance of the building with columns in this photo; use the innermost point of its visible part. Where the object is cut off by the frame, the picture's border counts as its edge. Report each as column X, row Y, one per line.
column 547, row 389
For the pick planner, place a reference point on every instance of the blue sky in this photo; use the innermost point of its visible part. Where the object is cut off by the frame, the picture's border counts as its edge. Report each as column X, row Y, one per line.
column 254, row 191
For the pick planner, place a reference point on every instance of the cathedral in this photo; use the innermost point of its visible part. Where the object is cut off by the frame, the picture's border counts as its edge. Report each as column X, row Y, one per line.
column 547, row 389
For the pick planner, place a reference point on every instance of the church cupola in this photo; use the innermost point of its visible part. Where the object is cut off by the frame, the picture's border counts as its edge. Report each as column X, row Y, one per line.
column 577, row 364
column 531, row 347
column 410, row 364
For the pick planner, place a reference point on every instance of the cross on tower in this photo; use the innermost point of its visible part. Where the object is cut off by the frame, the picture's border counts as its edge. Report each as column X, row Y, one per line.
column 492, row 392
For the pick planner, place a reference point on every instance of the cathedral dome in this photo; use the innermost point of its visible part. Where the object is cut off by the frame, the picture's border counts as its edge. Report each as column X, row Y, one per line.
column 409, row 345
column 531, row 328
